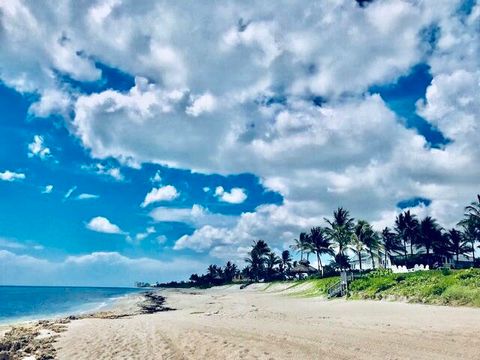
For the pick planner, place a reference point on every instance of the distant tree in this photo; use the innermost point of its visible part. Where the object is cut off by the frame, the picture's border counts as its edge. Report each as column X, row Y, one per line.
column 470, row 234
column 214, row 271
column 230, row 271
column 320, row 245
column 340, row 261
column 357, row 246
column 471, row 224
column 272, row 260
column 406, row 225
column 429, row 235
column 369, row 238
column 286, row 263
column 472, row 211
column 302, row 245
column 340, row 229
column 457, row 244
column 257, row 258
column 391, row 243
column 194, row 278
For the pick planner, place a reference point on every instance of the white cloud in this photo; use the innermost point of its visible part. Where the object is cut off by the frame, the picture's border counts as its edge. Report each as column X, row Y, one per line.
column 201, row 104
column 235, row 196
column 196, row 215
column 47, row 189
column 164, row 193
column 94, row 269
column 8, row 175
column 86, row 196
column 113, row 172
column 69, row 192
column 38, row 148
column 103, row 225
column 11, row 244
column 157, row 178
column 258, row 117
column 142, row 236
column 161, row 239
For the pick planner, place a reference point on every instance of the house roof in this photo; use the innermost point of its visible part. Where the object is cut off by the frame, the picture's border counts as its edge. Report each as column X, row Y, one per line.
column 303, row 267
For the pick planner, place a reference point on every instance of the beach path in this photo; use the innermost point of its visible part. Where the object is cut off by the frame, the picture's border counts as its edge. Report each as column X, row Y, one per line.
column 228, row 323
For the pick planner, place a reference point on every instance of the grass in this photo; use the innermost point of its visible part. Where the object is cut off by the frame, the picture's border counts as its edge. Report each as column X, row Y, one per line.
column 315, row 287
column 443, row 287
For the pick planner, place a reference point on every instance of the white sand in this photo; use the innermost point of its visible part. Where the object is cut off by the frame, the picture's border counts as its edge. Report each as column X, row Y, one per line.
column 228, row 323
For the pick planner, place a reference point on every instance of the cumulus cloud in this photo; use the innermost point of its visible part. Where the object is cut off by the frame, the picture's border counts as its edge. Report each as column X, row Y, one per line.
column 94, row 269
column 201, row 104
column 164, row 193
column 235, row 196
column 37, row 148
column 274, row 101
column 103, row 225
column 10, row 176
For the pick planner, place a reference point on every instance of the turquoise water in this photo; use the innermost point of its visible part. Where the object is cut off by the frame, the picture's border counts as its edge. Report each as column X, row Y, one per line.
column 18, row 303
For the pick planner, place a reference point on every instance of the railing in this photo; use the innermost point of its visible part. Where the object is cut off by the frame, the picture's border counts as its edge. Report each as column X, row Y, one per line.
column 335, row 290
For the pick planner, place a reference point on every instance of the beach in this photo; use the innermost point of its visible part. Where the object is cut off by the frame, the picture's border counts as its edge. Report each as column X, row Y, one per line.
column 259, row 322
column 229, row 323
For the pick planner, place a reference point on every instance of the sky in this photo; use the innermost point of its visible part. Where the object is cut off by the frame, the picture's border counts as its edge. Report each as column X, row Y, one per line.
column 142, row 141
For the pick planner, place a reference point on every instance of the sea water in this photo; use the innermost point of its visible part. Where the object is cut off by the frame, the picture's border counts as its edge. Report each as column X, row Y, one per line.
column 22, row 303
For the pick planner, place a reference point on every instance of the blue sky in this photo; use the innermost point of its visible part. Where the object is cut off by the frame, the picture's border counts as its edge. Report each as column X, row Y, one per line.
column 149, row 152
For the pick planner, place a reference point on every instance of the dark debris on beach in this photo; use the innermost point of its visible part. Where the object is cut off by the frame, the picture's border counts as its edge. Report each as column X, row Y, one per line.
column 153, row 303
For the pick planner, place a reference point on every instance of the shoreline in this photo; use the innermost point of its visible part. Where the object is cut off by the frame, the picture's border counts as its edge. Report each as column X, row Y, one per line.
column 24, row 339
column 260, row 321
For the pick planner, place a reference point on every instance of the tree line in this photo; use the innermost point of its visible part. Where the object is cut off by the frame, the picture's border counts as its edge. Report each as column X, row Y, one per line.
column 345, row 240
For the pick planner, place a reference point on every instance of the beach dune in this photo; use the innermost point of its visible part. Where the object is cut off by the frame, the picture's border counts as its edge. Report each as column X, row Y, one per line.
column 228, row 323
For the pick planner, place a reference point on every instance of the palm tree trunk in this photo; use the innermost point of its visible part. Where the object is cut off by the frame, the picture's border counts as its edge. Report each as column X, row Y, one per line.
column 360, row 260
column 385, row 259
column 373, row 259
column 473, row 252
column 301, row 255
column 319, row 263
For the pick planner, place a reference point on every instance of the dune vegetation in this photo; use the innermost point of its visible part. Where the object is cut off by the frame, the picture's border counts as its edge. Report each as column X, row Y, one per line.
column 440, row 287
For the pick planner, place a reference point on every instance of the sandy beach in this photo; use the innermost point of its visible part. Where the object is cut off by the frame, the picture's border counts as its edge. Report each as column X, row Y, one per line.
column 229, row 323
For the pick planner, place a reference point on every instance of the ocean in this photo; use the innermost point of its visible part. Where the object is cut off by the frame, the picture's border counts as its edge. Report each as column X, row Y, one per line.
column 22, row 303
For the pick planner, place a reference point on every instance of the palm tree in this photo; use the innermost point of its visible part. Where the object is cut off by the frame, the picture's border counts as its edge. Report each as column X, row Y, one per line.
column 301, row 245
column 357, row 246
column 257, row 257
column 340, row 230
column 391, row 243
column 213, row 271
column 369, row 238
column 320, row 244
column 286, row 261
column 230, row 271
column 470, row 234
column 473, row 210
column 406, row 225
column 271, row 260
column 457, row 244
column 430, row 234
column 471, row 224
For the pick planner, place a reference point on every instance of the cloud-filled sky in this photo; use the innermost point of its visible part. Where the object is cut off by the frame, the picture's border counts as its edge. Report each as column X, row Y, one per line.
column 144, row 140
